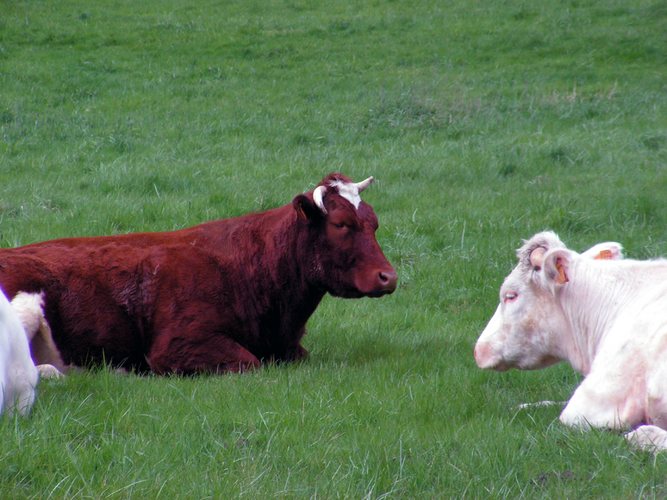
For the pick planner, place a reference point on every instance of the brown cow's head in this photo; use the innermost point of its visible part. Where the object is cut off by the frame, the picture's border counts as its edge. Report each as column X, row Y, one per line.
column 345, row 258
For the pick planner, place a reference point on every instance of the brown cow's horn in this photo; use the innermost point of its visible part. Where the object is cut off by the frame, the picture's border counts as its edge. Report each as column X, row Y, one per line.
column 537, row 256
column 317, row 198
column 364, row 184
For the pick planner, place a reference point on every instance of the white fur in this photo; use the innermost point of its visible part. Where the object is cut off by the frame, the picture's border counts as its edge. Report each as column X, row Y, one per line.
column 648, row 437
column 349, row 191
column 29, row 308
column 18, row 375
column 607, row 318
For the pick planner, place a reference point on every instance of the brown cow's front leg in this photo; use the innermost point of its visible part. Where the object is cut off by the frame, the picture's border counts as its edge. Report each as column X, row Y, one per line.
column 181, row 354
column 293, row 350
column 296, row 353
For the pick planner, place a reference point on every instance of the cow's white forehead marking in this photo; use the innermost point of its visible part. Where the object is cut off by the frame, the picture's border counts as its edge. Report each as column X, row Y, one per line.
column 349, row 191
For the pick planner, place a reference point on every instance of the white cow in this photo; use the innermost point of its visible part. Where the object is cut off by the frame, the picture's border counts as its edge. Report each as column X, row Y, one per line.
column 607, row 317
column 18, row 375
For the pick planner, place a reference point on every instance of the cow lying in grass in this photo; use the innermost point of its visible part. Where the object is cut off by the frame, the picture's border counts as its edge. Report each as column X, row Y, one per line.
column 607, row 317
column 222, row 296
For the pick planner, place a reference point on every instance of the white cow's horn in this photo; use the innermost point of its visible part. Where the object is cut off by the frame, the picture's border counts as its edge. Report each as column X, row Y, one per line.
column 317, row 198
column 364, row 184
column 537, row 257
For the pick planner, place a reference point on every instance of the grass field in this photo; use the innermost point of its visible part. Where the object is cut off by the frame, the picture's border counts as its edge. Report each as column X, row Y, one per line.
column 483, row 122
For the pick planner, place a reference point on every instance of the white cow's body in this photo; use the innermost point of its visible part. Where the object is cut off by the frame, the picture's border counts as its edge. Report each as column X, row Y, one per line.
column 607, row 318
column 18, row 375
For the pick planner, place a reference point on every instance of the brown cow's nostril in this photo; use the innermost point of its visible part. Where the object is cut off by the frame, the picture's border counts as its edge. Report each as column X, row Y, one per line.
column 388, row 279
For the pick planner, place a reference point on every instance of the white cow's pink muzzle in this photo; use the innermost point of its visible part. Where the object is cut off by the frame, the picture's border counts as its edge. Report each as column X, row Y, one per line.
column 487, row 359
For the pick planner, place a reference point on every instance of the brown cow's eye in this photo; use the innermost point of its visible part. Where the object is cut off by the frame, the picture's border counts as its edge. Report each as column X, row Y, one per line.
column 339, row 225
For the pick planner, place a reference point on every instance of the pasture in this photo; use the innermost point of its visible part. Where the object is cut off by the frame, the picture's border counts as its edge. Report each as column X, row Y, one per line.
column 483, row 123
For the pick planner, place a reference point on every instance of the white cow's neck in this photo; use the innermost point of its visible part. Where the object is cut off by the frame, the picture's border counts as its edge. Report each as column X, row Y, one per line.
column 590, row 303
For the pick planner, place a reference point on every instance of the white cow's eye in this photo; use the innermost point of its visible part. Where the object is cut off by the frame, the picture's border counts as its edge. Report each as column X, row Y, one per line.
column 510, row 296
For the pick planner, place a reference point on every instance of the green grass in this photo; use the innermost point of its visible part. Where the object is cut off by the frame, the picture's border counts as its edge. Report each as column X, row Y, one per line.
column 484, row 122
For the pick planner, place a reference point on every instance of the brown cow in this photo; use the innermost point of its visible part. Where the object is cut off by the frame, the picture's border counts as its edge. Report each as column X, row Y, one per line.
column 221, row 296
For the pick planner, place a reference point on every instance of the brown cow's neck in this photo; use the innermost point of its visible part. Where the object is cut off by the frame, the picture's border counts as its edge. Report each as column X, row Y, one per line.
column 270, row 253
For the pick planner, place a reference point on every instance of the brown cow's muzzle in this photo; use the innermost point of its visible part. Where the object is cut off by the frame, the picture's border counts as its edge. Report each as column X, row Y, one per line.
column 382, row 282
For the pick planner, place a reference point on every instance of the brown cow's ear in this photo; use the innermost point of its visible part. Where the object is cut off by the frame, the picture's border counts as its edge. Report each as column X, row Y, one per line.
column 306, row 208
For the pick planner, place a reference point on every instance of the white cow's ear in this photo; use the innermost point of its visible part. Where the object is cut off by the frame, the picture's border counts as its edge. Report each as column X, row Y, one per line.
column 557, row 266
column 609, row 250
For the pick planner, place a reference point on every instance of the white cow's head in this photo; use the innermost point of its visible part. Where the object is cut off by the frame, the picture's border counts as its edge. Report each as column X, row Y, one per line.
column 524, row 331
